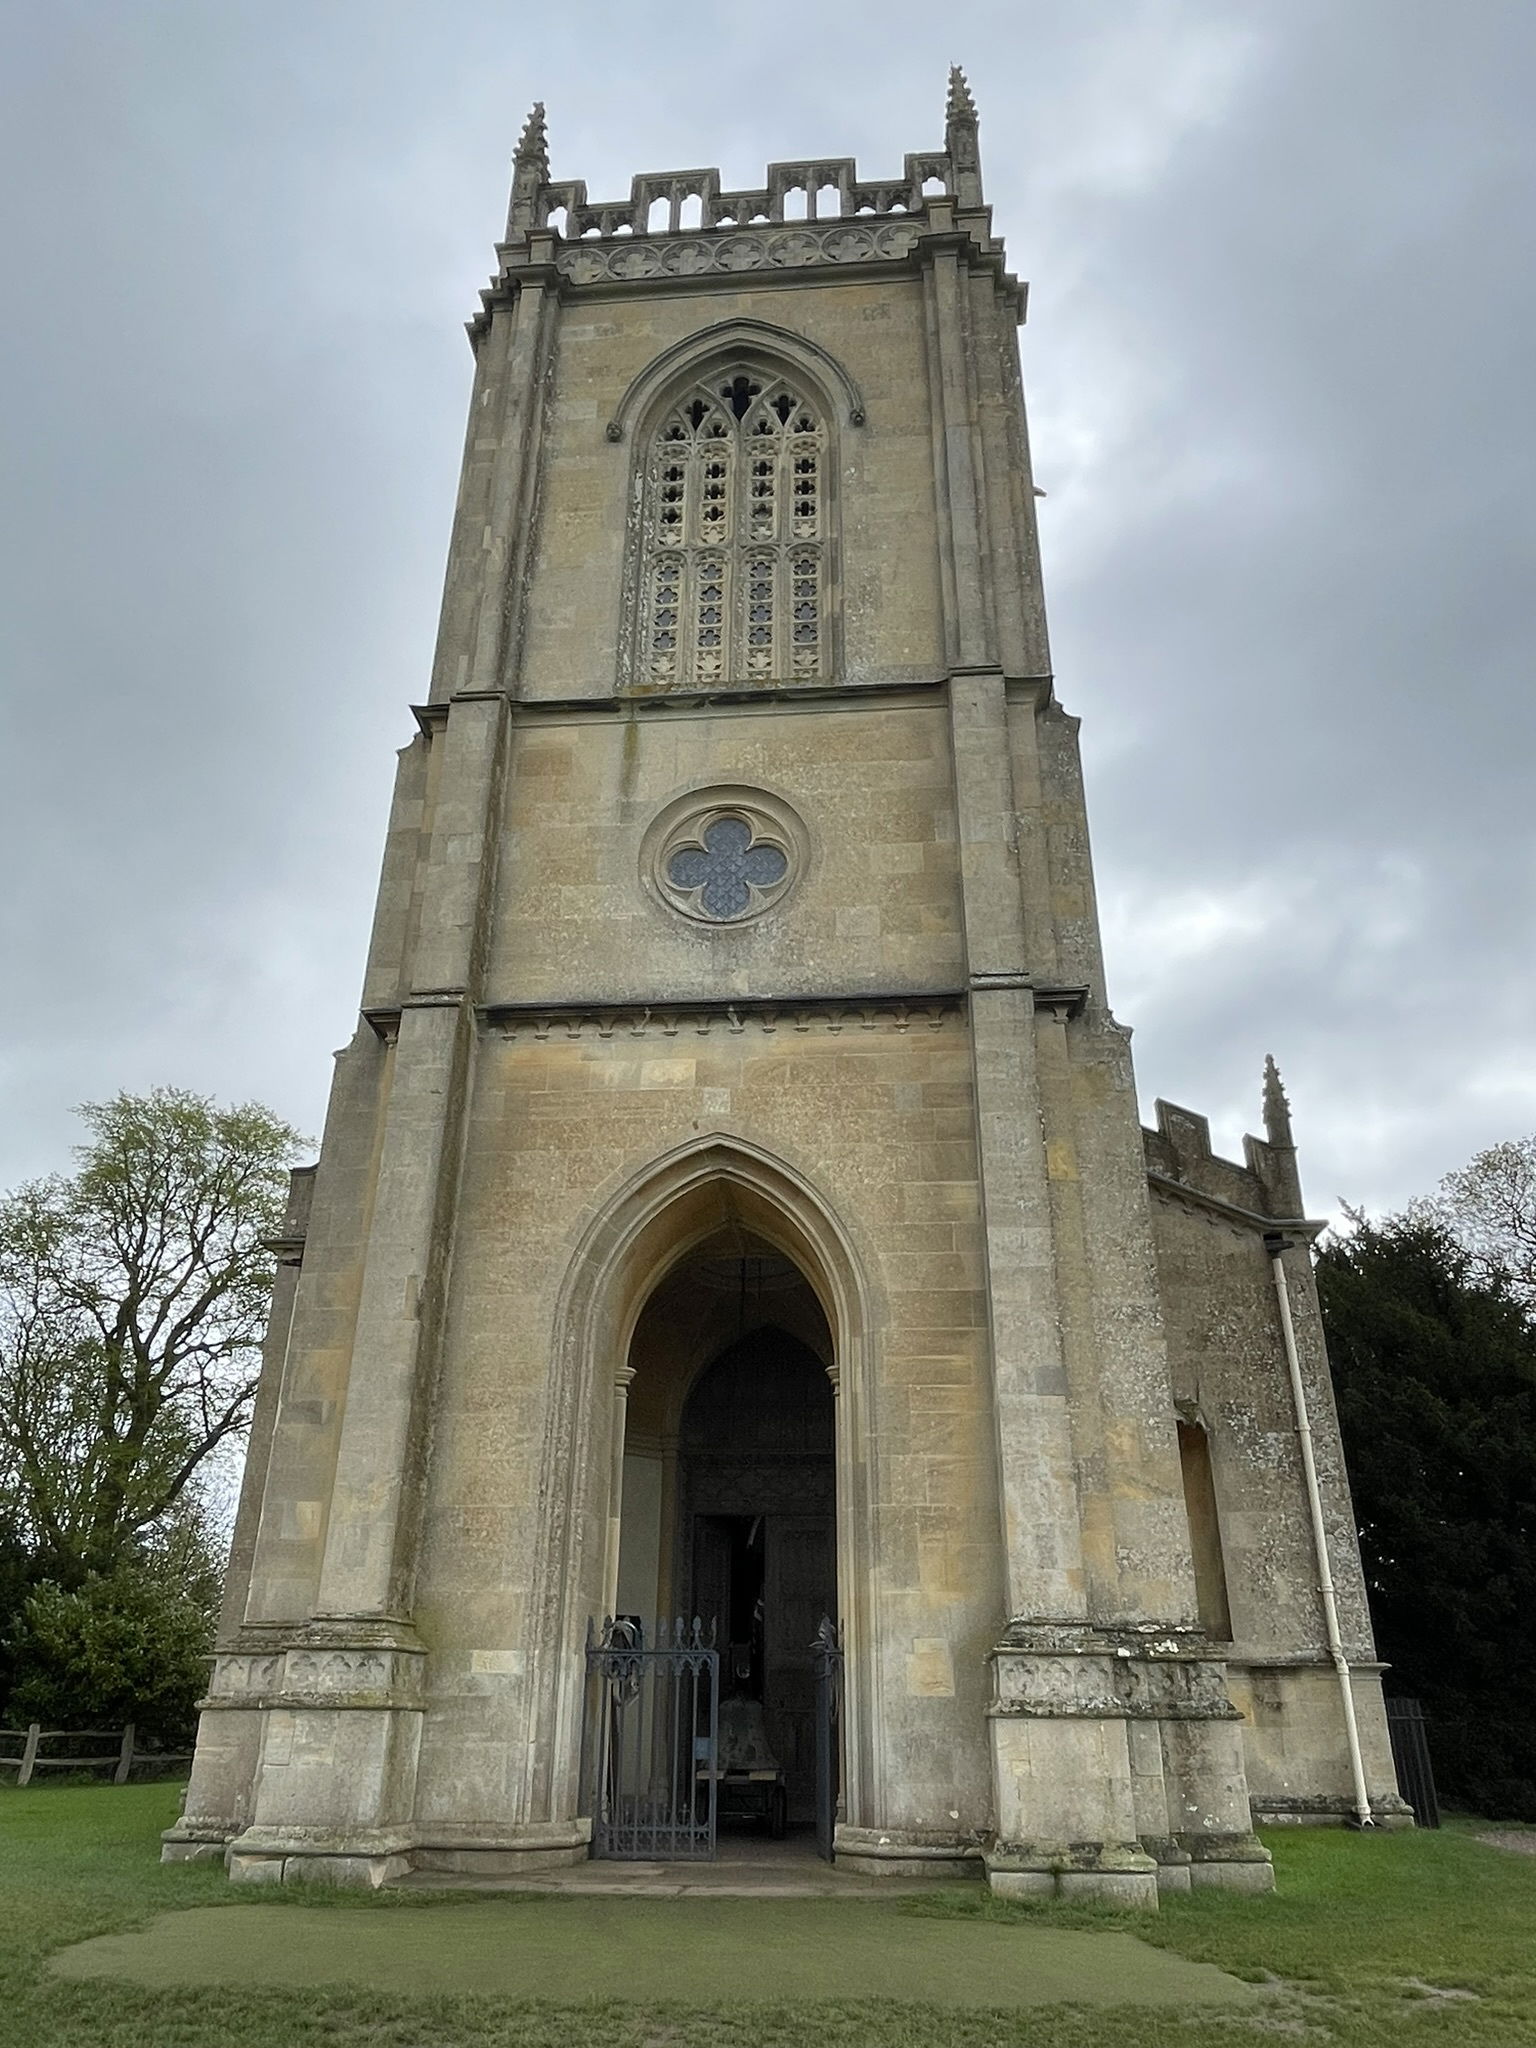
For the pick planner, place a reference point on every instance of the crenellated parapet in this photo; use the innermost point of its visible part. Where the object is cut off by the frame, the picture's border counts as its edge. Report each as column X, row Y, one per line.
column 1263, row 1191
column 832, row 186
column 684, row 224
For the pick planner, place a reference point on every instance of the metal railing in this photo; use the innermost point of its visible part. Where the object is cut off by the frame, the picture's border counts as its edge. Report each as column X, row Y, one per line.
column 827, row 1657
column 650, row 1736
column 1409, row 1735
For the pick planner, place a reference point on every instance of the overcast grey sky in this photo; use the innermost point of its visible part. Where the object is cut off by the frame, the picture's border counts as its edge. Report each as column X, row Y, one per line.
column 1279, row 362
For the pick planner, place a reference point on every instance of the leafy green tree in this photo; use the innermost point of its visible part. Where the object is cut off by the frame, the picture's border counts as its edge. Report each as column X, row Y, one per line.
column 1489, row 1207
column 126, row 1645
column 1434, row 1363
column 133, row 1295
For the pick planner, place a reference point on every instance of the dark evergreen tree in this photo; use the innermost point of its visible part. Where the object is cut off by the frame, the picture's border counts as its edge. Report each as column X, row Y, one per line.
column 1434, row 1366
column 130, row 1645
column 19, row 1571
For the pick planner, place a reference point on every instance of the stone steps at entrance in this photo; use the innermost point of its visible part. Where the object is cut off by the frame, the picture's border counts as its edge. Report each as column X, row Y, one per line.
column 748, row 1870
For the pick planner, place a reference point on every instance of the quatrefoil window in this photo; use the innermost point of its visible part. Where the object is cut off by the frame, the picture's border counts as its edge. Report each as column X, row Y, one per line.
column 729, row 872
column 724, row 855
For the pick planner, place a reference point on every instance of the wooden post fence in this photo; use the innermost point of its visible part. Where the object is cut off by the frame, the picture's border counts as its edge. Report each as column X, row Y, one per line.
column 121, row 1758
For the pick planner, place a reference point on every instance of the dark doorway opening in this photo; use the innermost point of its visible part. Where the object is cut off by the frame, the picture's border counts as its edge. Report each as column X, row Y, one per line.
column 729, row 1585
column 757, row 1539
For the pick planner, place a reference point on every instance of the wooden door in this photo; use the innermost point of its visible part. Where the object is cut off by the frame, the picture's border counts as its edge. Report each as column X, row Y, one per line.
column 710, row 1590
column 800, row 1587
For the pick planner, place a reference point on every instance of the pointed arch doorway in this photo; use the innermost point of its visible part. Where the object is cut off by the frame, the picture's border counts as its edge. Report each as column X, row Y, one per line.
column 729, row 1508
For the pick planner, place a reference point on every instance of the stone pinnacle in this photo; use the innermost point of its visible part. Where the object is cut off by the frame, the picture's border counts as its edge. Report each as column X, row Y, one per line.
column 533, row 143
column 1277, row 1110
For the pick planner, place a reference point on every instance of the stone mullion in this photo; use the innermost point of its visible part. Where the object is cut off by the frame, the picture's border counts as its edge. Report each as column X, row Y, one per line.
column 685, row 665
column 693, row 493
column 783, row 528
column 783, row 646
column 729, row 453
column 748, row 549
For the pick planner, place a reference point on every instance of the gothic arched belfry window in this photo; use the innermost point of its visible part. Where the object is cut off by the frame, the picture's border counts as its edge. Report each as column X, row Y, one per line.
column 732, row 582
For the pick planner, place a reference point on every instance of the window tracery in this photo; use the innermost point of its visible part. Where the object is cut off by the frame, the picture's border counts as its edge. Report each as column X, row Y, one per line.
column 733, row 583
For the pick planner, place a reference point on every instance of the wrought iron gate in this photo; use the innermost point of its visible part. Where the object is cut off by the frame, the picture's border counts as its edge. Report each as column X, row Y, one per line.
column 649, row 1740
column 827, row 1655
column 1410, row 1756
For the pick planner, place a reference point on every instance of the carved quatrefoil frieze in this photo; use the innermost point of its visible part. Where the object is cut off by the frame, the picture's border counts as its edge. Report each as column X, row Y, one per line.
column 778, row 249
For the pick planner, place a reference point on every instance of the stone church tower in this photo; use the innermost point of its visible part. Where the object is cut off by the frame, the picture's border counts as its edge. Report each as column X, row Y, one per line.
column 733, row 1202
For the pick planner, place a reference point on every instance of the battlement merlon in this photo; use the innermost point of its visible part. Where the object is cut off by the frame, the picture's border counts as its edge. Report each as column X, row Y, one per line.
column 847, row 218
column 1265, row 1190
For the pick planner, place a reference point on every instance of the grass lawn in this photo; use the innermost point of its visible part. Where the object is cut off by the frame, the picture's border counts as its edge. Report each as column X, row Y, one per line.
column 1358, row 1923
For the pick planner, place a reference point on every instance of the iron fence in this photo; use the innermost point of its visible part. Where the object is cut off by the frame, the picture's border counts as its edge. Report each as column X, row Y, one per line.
column 650, row 1736
column 1409, row 1734
column 827, row 1657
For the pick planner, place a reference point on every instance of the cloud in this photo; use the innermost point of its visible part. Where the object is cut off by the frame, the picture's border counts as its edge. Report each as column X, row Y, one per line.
column 1281, row 298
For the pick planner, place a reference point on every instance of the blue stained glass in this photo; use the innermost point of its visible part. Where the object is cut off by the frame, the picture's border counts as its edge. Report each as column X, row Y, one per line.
column 726, row 868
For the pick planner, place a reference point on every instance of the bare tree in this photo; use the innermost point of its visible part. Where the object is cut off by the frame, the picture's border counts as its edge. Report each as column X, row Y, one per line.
column 133, row 1295
column 1489, row 1207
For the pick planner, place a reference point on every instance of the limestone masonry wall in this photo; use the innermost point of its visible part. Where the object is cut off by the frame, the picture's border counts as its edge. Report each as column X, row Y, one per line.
column 883, row 488
column 874, row 906
column 1210, row 1220
column 878, row 1118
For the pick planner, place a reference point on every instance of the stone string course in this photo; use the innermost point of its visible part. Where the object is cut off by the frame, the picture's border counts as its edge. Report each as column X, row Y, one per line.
column 729, row 1019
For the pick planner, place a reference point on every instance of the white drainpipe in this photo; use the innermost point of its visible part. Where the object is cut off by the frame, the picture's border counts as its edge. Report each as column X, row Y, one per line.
column 1275, row 1246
